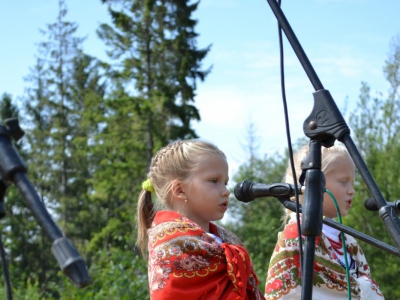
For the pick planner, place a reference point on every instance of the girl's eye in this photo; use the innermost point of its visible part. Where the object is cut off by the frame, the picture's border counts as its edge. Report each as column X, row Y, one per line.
column 214, row 180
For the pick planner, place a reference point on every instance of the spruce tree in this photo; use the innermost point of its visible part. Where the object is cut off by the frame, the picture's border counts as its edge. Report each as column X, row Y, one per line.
column 65, row 89
column 155, row 66
column 154, row 44
column 257, row 223
column 18, row 227
column 376, row 128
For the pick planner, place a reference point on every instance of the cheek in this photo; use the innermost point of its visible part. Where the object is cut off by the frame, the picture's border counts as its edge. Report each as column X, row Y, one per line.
column 334, row 187
column 328, row 184
column 327, row 197
column 328, row 208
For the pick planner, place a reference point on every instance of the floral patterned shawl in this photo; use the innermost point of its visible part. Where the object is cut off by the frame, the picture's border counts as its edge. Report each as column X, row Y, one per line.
column 284, row 278
column 187, row 263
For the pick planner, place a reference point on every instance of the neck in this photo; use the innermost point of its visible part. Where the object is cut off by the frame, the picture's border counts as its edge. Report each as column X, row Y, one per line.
column 205, row 225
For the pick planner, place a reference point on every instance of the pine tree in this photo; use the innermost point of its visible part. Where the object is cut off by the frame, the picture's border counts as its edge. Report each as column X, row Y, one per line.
column 376, row 124
column 154, row 43
column 18, row 226
column 63, row 103
column 257, row 223
column 152, row 89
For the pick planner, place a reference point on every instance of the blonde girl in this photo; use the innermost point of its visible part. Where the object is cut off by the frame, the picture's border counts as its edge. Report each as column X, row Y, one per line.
column 189, row 257
column 330, row 277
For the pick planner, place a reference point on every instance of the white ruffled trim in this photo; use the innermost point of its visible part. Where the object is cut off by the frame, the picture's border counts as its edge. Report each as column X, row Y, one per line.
column 366, row 292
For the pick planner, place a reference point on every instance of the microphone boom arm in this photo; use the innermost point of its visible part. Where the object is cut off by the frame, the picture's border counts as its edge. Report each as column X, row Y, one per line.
column 12, row 169
column 326, row 124
column 287, row 203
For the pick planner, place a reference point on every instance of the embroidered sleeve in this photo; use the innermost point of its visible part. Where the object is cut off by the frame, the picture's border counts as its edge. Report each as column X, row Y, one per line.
column 368, row 288
column 284, row 269
column 284, row 277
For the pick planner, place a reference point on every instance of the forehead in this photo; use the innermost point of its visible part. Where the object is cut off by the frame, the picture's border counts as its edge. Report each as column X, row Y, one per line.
column 343, row 164
column 212, row 163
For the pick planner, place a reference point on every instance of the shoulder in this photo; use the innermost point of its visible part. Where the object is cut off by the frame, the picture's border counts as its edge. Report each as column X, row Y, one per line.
column 354, row 249
column 288, row 238
column 289, row 234
column 169, row 226
column 290, row 231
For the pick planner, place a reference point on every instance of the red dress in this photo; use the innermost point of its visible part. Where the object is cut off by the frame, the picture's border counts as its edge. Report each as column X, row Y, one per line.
column 187, row 263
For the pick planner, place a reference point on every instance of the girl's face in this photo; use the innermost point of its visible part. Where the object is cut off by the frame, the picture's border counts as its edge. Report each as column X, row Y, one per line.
column 339, row 180
column 206, row 192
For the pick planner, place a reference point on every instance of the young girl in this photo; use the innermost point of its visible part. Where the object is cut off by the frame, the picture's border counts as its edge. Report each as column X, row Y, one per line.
column 190, row 257
column 330, row 281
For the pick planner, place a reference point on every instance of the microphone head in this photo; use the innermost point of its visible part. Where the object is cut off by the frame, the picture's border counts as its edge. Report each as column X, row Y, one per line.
column 242, row 191
column 370, row 204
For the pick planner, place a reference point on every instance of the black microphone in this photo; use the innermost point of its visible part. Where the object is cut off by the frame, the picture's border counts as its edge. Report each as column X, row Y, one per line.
column 247, row 191
column 370, row 204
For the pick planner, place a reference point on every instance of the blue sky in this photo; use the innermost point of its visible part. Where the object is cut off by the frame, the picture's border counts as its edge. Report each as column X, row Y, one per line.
column 346, row 41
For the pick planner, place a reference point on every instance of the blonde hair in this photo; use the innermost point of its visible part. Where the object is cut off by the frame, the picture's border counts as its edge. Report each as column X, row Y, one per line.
column 328, row 157
column 176, row 161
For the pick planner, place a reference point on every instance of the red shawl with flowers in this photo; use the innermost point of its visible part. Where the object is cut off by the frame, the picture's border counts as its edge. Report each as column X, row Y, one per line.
column 186, row 263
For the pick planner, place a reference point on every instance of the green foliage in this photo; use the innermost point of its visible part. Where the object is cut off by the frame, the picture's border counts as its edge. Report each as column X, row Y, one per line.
column 115, row 274
column 91, row 129
column 257, row 223
column 22, row 237
column 121, row 151
column 150, row 103
column 155, row 44
column 62, row 86
column 30, row 291
column 375, row 124
column 7, row 109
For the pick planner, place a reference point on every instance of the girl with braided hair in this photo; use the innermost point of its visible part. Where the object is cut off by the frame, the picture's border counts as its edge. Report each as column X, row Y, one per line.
column 189, row 257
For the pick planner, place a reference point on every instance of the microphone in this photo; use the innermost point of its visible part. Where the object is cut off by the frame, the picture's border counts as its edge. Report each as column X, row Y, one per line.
column 247, row 191
column 370, row 204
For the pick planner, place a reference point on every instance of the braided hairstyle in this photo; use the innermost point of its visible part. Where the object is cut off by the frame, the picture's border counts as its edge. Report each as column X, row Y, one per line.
column 175, row 161
column 328, row 156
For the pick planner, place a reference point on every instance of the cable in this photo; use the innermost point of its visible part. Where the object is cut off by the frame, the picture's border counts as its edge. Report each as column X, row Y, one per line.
column 289, row 141
column 343, row 244
column 294, row 172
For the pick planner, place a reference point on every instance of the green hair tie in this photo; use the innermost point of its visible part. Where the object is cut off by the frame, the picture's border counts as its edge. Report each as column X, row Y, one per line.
column 147, row 186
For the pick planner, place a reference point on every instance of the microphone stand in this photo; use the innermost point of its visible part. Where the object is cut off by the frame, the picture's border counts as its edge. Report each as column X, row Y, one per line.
column 325, row 124
column 311, row 225
column 287, row 203
column 12, row 169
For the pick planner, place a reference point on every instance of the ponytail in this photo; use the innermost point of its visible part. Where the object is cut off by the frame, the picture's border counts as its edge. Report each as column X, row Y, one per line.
column 145, row 216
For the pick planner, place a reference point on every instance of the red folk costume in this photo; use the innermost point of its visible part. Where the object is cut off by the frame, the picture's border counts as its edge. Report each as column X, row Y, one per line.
column 185, row 262
column 284, row 278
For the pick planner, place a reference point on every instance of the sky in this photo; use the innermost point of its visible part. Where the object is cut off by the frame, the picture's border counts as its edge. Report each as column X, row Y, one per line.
column 346, row 41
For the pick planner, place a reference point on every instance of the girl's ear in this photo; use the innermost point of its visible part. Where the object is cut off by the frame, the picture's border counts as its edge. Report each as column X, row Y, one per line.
column 177, row 190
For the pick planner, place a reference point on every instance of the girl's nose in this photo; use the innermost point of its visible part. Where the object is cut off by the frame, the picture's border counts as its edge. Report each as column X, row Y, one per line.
column 351, row 191
column 226, row 192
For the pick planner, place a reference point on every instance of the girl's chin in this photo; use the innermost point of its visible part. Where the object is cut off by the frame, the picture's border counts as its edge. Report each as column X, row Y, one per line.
column 342, row 214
